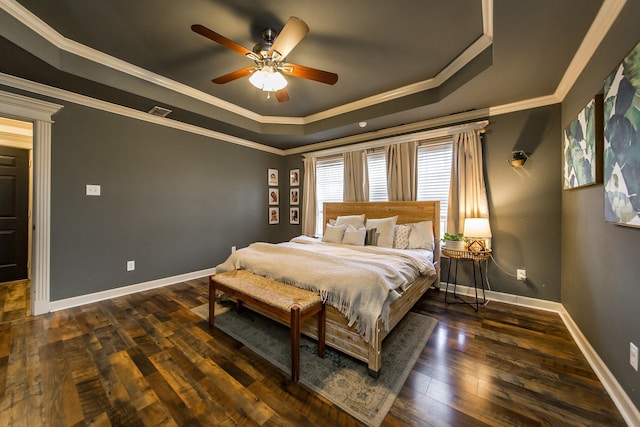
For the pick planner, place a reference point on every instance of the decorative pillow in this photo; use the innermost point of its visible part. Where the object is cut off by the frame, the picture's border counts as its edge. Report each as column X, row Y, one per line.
column 356, row 220
column 385, row 227
column 401, row 238
column 333, row 233
column 354, row 236
column 421, row 236
column 372, row 237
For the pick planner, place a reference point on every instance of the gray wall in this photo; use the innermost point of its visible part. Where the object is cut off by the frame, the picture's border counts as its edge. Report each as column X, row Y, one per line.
column 172, row 201
column 525, row 203
column 600, row 265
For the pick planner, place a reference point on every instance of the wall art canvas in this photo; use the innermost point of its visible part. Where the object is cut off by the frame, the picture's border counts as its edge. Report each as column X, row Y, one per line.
column 582, row 147
column 621, row 142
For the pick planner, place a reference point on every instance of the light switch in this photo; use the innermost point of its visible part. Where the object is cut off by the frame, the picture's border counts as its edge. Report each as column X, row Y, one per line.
column 93, row 190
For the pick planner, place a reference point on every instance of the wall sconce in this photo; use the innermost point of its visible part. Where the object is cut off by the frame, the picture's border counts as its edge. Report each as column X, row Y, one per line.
column 518, row 159
column 478, row 233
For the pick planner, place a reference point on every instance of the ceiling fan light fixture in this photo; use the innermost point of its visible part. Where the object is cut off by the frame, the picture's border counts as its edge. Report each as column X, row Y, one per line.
column 268, row 80
column 269, row 55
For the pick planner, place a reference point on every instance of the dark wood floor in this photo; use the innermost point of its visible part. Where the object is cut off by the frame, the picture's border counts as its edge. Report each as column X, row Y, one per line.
column 145, row 359
column 14, row 300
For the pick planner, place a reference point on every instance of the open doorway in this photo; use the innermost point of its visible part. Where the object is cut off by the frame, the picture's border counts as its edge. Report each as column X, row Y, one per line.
column 16, row 195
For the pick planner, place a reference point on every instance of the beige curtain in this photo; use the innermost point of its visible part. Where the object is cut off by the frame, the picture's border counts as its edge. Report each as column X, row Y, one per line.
column 309, row 197
column 356, row 177
column 402, row 171
column 467, row 194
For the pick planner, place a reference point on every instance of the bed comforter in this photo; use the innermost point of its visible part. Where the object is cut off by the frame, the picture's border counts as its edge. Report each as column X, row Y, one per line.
column 359, row 281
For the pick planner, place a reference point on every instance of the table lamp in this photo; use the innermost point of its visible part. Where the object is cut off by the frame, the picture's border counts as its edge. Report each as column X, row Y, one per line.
column 478, row 233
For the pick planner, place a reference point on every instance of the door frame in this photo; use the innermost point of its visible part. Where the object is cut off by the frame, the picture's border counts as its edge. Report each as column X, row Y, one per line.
column 39, row 113
column 25, row 145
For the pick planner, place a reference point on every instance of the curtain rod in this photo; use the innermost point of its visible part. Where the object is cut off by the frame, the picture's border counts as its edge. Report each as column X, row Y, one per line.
column 399, row 139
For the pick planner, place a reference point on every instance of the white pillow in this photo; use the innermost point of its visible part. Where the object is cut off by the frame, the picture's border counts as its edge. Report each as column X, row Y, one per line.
column 385, row 227
column 356, row 220
column 354, row 236
column 333, row 233
column 421, row 236
column 401, row 238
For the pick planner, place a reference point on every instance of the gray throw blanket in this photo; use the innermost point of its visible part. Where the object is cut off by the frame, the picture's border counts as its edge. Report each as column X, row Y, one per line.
column 355, row 280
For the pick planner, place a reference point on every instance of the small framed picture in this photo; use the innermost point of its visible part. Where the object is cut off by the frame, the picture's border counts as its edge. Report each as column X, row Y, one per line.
column 294, row 196
column 274, row 215
column 272, row 176
column 294, row 177
column 294, row 215
column 274, row 198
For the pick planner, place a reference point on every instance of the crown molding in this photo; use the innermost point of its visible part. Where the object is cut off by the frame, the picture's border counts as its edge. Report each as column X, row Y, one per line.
column 410, row 128
column 479, row 46
column 39, row 88
column 596, row 33
column 18, row 106
column 429, row 134
column 45, row 31
column 526, row 104
column 600, row 26
column 41, row 28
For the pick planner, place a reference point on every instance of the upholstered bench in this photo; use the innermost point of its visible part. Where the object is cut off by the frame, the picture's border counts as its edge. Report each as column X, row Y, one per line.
column 285, row 303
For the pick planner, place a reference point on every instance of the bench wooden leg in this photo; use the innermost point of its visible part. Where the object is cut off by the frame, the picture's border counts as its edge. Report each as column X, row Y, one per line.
column 212, row 301
column 321, row 331
column 295, row 344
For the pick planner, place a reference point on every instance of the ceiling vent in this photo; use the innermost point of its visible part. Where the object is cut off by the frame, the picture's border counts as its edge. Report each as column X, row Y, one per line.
column 160, row 111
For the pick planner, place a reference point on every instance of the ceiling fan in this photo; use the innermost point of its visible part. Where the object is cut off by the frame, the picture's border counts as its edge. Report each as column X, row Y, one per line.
column 269, row 56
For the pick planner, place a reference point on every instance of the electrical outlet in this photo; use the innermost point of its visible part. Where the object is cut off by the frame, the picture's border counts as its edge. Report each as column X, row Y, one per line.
column 521, row 274
column 131, row 265
column 233, row 249
column 633, row 356
column 93, row 190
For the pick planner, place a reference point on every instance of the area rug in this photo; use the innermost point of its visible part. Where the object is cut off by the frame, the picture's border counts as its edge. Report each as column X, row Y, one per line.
column 339, row 378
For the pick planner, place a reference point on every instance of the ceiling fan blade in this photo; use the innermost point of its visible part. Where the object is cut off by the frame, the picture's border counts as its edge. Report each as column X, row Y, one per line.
column 282, row 95
column 294, row 30
column 233, row 75
column 309, row 73
column 218, row 38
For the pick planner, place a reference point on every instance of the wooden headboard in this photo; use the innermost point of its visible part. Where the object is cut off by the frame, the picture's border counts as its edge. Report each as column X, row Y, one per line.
column 407, row 212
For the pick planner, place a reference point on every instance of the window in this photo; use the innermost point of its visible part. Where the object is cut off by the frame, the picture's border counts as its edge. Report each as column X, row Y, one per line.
column 329, row 186
column 377, row 167
column 434, row 176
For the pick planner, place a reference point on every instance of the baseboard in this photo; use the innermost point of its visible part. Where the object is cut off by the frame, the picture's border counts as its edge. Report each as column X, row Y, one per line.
column 126, row 290
column 627, row 409
column 619, row 397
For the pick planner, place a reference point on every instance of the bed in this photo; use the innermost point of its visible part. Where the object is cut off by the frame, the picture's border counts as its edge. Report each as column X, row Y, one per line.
column 342, row 333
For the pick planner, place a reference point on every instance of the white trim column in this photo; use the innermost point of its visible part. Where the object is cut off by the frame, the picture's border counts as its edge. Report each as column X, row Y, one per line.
column 39, row 112
column 40, row 265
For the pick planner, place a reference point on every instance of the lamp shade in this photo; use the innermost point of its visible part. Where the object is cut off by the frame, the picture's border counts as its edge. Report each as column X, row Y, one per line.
column 268, row 80
column 477, row 227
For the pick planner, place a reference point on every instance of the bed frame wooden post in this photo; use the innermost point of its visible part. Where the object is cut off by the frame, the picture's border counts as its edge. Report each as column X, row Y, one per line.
column 375, row 351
